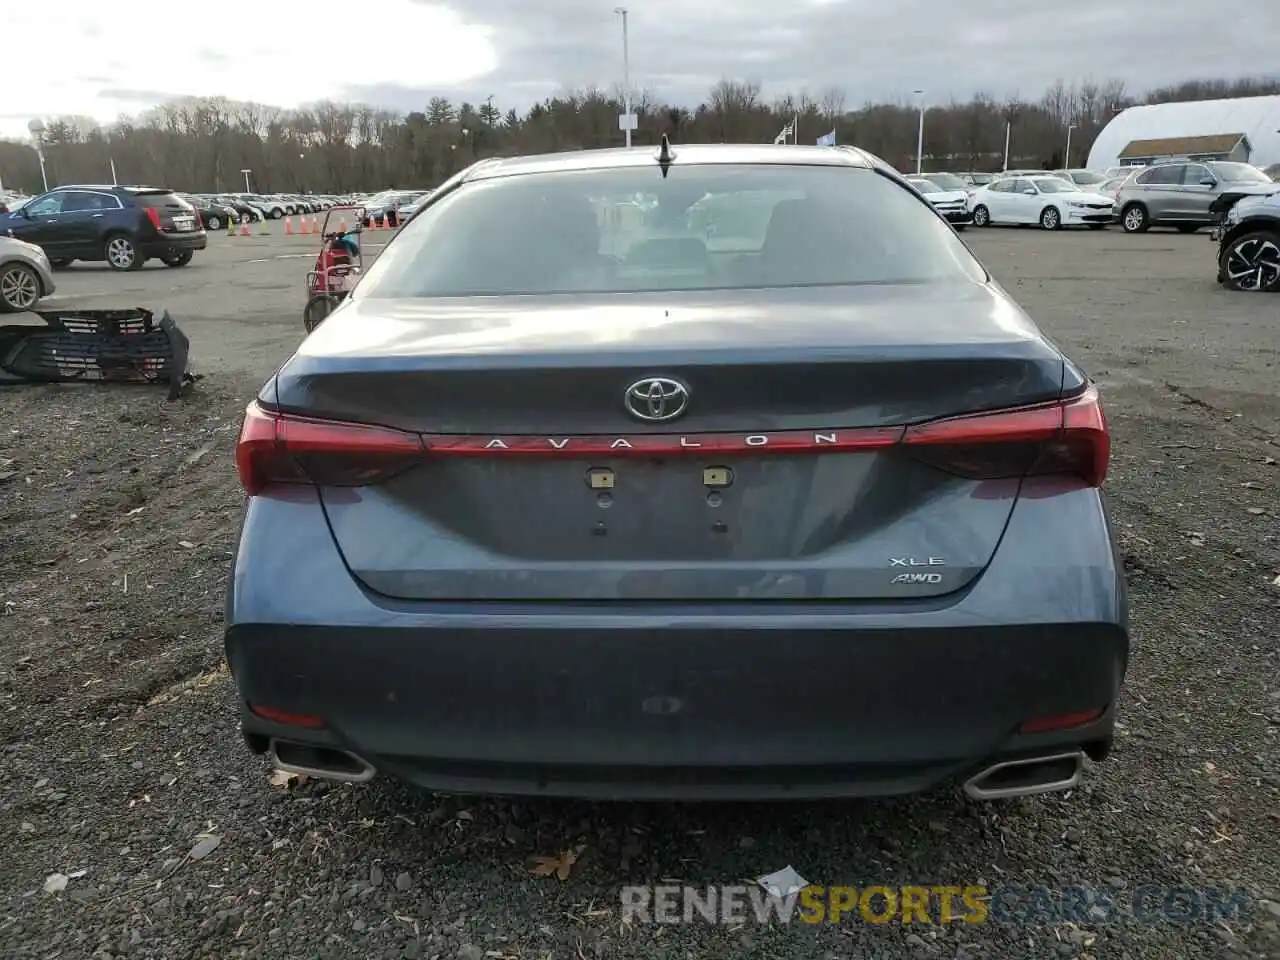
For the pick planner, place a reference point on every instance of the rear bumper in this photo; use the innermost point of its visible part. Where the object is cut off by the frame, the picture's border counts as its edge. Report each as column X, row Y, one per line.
column 159, row 245
column 712, row 701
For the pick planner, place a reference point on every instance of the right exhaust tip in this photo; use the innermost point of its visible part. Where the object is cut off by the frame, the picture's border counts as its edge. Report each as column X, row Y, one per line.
column 1025, row 777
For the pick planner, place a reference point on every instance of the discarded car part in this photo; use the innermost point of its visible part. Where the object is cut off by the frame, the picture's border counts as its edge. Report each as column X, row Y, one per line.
column 1022, row 778
column 118, row 346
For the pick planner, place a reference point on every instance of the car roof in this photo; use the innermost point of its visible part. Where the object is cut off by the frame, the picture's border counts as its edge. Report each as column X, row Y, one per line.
column 700, row 153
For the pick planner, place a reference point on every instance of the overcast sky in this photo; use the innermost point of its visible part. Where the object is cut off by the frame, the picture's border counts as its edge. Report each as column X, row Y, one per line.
column 86, row 57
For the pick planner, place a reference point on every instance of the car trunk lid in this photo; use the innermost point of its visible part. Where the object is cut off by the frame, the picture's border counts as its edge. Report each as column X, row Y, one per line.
column 785, row 476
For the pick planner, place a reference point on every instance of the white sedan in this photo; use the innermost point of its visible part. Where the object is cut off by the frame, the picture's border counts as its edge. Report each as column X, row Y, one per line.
column 1050, row 201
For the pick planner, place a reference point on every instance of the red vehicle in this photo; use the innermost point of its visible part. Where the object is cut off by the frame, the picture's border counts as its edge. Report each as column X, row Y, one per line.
column 338, row 265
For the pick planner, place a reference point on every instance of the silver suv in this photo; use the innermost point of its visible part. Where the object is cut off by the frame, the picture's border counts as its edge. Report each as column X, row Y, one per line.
column 1179, row 194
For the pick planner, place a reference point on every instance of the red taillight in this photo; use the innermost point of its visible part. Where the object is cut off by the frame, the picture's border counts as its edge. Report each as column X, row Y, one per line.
column 280, row 448
column 154, row 216
column 308, row 720
column 1061, row 721
column 1068, row 437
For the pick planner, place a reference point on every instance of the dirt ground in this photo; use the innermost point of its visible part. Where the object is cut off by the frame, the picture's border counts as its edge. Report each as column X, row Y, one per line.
column 122, row 767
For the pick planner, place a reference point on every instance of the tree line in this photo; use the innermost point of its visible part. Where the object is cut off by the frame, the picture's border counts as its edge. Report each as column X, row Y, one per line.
column 204, row 144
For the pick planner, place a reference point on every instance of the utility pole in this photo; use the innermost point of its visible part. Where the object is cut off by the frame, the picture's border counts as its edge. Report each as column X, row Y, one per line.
column 920, row 136
column 627, row 121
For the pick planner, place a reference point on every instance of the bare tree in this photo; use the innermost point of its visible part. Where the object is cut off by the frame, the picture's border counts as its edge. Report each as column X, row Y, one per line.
column 202, row 144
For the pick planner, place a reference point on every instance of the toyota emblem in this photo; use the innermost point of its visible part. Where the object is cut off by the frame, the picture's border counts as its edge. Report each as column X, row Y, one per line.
column 655, row 399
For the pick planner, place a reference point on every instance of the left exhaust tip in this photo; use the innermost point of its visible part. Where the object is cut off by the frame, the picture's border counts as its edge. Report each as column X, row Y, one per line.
column 322, row 763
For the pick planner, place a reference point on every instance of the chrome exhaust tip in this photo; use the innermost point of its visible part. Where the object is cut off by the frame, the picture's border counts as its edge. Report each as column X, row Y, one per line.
column 1026, row 777
column 323, row 763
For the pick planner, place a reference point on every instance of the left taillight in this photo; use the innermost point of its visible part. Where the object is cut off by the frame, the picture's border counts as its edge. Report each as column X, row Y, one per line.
column 1069, row 437
column 154, row 216
column 282, row 448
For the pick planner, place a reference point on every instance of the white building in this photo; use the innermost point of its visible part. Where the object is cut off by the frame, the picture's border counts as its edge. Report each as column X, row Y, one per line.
column 1251, row 124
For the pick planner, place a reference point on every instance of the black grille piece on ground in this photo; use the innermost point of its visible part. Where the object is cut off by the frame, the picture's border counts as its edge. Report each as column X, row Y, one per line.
column 115, row 346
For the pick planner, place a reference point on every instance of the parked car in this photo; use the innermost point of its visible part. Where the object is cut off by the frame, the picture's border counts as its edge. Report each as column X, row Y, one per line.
column 951, row 204
column 125, row 226
column 377, row 209
column 1249, row 243
column 213, row 215
column 1111, row 186
column 245, row 211
column 638, row 525
column 1087, row 180
column 1179, row 194
column 25, row 275
column 1046, row 200
column 409, row 210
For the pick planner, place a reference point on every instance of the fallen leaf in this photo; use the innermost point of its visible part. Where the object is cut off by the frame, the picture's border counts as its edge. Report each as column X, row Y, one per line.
column 206, row 843
column 560, row 866
column 55, row 883
column 187, row 544
column 283, row 778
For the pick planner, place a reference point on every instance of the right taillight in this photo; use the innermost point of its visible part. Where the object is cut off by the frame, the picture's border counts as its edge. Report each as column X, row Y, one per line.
column 1067, row 437
column 281, row 448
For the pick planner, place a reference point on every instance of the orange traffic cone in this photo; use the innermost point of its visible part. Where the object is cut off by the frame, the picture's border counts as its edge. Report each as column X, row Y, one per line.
column 244, row 229
column 342, row 225
column 288, row 226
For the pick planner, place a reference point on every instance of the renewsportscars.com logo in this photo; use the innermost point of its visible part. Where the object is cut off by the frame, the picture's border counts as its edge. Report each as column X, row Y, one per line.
column 934, row 904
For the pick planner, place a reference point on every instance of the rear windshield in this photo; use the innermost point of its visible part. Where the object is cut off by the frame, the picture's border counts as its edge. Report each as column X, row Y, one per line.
column 947, row 181
column 158, row 198
column 1238, row 172
column 702, row 227
column 1087, row 177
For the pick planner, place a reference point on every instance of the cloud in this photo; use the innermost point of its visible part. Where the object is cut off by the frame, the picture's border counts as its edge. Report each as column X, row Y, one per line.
column 400, row 53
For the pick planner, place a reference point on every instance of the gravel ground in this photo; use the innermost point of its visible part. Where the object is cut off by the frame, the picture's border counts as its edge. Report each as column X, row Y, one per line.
column 123, row 770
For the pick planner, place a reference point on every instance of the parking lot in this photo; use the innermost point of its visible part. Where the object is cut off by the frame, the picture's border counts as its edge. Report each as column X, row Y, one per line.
column 122, row 757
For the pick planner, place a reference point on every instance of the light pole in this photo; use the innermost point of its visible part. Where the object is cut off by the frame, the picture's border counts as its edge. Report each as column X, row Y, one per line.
column 627, row 121
column 37, row 128
column 246, row 171
column 920, row 134
column 1066, row 156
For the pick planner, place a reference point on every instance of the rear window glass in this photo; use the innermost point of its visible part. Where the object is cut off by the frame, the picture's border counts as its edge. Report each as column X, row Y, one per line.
column 159, row 199
column 702, row 227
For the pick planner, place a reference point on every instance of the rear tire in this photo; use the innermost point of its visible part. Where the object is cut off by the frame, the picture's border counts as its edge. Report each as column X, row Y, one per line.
column 20, row 288
column 120, row 252
column 1135, row 219
column 1251, row 262
column 981, row 216
column 214, row 223
column 178, row 259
